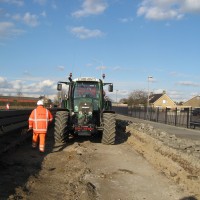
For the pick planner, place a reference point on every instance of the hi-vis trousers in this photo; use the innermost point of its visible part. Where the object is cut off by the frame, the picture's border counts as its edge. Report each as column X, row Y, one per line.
column 41, row 137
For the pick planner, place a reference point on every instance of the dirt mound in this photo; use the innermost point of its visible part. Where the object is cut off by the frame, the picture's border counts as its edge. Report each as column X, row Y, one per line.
column 177, row 158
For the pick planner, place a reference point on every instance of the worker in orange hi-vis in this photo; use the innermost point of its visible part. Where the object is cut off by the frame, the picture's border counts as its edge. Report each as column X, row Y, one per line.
column 39, row 120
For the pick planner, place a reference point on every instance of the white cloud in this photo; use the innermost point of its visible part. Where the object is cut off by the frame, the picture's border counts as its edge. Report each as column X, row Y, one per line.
column 191, row 6
column 84, row 33
column 117, row 68
column 5, row 27
column 61, row 68
column 53, row 5
column 167, row 9
column 91, row 7
column 30, row 19
column 17, row 84
column 41, row 2
column 126, row 20
column 101, row 68
column 27, row 73
column 16, row 2
column 33, row 89
column 2, row 11
column 16, row 17
column 188, row 83
column 45, row 83
column 3, row 82
column 177, row 95
column 7, row 30
column 43, row 14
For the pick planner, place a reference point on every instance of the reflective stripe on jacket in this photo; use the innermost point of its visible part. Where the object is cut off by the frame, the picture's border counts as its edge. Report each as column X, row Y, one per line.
column 40, row 119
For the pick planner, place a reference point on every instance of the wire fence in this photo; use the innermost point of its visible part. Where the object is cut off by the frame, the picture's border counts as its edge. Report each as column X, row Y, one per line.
column 175, row 117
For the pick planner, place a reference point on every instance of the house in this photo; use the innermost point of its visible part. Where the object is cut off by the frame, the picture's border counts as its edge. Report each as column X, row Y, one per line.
column 161, row 101
column 193, row 102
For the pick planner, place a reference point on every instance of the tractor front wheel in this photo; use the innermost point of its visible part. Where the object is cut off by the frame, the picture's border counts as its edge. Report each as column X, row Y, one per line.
column 109, row 128
column 61, row 133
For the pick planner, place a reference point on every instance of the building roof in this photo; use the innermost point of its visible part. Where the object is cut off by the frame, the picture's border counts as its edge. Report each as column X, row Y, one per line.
column 193, row 102
column 18, row 98
column 154, row 97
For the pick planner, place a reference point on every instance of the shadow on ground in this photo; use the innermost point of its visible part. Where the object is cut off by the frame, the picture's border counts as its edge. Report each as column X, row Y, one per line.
column 20, row 163
column 189, row 198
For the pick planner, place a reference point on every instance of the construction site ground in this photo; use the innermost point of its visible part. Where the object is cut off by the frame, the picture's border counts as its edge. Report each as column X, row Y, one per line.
column 146, row 163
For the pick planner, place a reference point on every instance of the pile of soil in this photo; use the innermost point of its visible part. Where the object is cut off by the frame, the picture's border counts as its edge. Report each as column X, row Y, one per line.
column 177, row 158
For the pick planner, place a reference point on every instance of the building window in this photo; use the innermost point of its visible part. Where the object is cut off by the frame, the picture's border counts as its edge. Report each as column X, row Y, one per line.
column 164, row 101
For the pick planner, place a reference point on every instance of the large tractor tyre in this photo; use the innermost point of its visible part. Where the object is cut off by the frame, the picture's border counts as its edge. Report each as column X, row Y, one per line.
column 61, row 133
column 109, row 128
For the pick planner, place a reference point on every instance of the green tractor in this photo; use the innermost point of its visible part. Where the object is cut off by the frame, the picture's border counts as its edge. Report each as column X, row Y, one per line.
column 85, row 111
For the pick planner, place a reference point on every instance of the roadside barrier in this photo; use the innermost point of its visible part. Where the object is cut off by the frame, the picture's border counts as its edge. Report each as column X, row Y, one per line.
column 11, row 120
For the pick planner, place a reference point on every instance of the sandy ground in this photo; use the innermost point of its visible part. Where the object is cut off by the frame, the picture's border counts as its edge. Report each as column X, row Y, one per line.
column 85, row 169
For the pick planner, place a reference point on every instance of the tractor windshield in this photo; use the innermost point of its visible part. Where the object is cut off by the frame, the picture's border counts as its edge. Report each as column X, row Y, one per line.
column 86, row 96
column 86, row 90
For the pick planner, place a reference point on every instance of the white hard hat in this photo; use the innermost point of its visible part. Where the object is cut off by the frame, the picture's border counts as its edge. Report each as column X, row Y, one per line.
column 40, row 103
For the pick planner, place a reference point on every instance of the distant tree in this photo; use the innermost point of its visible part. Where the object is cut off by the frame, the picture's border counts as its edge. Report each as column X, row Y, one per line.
column 123, row 101
column 137, row 97
column 19, row 93
column 179, row 103
column 41, row 97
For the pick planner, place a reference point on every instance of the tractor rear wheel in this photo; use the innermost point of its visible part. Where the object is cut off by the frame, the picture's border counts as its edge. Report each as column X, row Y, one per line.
column 109, row 128
column 61, row 133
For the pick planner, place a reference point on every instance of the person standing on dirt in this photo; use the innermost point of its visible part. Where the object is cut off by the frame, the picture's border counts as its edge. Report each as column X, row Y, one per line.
column 39, row 120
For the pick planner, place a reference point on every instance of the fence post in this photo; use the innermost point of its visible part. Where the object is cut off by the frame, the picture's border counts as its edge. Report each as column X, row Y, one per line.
column 176, row 110
column 131, row 111
column 166, row 115
column 145, row 113
column 188, row 116
column 157, row 114
column 150, row 117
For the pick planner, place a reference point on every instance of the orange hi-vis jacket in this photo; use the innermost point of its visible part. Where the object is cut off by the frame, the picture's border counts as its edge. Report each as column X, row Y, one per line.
column 39, row 119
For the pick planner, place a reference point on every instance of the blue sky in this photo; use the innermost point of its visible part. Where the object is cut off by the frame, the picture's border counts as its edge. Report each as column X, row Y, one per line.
column 42, row 41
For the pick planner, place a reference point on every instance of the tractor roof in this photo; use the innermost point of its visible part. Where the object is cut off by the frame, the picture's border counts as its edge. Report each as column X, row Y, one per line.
column 86, row 79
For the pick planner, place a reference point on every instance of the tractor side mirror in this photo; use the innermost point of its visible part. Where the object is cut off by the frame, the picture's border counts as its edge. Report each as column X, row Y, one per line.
column 59, row 87
column 110, row 88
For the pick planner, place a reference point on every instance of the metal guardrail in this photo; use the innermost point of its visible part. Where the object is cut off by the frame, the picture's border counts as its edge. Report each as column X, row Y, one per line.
column 11, row 120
